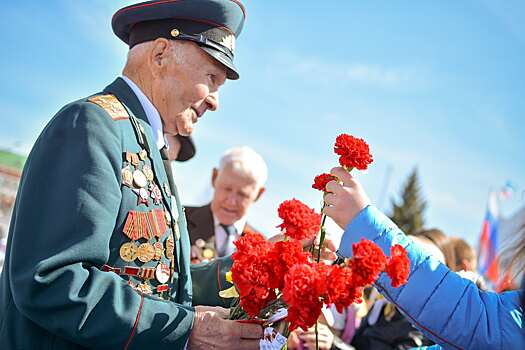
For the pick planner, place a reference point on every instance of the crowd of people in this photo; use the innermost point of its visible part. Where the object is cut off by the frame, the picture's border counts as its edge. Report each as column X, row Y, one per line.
column 105, row 256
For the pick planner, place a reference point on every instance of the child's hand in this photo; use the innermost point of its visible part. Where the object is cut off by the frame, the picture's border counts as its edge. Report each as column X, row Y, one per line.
column 344, row 201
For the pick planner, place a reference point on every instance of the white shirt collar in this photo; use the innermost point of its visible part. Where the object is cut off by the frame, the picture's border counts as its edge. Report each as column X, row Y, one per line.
column 151, row 113
column 239, row 225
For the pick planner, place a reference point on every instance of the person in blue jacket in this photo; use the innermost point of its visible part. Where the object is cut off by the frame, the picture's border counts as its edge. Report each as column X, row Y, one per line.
column 449, row 309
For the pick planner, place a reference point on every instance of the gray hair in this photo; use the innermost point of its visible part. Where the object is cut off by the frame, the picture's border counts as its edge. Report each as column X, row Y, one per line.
column 246, row 162
column 138, row 53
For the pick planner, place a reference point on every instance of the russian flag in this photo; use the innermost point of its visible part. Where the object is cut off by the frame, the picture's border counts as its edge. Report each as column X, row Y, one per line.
column 488, row 242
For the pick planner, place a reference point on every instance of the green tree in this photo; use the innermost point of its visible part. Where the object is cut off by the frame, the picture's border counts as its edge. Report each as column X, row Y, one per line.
column 408, row 212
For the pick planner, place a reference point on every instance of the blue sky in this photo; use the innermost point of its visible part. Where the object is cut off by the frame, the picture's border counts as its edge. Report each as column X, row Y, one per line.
column 437, row 85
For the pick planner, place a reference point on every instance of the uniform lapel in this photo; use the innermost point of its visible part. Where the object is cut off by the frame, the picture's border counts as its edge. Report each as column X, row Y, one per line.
column 162, row 171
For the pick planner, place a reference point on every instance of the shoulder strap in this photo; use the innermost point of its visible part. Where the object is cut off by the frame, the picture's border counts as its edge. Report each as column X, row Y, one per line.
column 111, row 105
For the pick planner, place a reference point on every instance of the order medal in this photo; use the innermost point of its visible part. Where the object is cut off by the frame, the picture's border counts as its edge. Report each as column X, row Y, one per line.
column 145, row 252
column 146, row 170
column 128, row 251
column 127, row 177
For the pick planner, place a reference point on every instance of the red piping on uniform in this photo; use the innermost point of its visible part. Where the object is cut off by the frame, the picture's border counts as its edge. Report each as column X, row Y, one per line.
column 136, row 323
column 167, row 1
column 420, row 325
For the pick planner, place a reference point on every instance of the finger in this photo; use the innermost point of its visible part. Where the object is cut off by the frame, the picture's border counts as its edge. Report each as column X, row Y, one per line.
column 329, row 244
column 222, row 312
column 329, row 198
column 341, row 174
column 329, row 211
column 333, row 187
column 250, row 330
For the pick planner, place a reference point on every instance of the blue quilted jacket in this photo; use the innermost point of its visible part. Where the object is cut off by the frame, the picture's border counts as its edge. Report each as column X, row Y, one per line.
column 449, row 309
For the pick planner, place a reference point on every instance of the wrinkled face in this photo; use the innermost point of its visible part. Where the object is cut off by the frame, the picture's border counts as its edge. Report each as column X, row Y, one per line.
column 185, row 84
column 233, row 195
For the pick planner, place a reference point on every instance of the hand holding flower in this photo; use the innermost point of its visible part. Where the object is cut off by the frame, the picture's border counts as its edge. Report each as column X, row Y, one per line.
column 344, row 201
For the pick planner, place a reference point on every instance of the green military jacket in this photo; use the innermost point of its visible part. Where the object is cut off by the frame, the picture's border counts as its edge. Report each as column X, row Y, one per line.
column 98, row 249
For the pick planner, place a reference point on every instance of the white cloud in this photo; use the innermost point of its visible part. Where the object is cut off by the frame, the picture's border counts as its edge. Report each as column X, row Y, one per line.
column 351, row 72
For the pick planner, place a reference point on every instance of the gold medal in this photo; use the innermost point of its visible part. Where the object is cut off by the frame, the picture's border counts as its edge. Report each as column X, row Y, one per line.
column 146, row 170
column 127, row 177
column 145, row 252
column 143, row 154
column 139, row 179
column 159, row 251
column 170, row 246
column 128, row 251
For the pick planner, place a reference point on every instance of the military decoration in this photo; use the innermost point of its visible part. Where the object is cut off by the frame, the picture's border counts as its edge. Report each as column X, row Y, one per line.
column 162, row 273
column 128, row 251
column 127, row 176
column 145, row 252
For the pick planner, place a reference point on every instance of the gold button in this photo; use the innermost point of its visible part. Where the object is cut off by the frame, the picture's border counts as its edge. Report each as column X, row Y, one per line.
column 175, row 33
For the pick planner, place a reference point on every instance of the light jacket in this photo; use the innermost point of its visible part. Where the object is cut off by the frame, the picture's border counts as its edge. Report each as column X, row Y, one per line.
column 449, row 309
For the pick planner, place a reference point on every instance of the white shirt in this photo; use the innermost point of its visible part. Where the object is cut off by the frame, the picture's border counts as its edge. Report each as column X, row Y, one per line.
column 221, row 235
column 151, row 113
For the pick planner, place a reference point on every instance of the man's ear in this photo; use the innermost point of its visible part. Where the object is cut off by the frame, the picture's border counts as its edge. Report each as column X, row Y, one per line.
column 261, row 191
column 159, row 53
column 214, row 174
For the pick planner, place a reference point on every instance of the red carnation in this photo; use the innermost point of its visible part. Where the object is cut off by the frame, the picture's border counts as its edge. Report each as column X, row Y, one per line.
column 252, row 273
column 368, row 261
column 353, row 152
column 398, row 267
column 304, row 284
column 341, row 289
column 299, row 220
column 320, row 181
column 283, row 256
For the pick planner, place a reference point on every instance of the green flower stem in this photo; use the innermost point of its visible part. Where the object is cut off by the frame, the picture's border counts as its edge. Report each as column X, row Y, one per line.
column 316, row 337
column 322, row 233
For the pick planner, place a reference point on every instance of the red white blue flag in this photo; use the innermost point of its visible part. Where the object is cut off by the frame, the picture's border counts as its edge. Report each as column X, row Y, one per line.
column 488, row 242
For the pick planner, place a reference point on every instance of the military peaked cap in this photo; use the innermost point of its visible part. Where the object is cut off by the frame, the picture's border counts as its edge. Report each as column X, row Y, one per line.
column 212, row 24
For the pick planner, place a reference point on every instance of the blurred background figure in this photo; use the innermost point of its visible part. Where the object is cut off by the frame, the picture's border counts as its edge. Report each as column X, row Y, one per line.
column 467, row 261
column 237, row 183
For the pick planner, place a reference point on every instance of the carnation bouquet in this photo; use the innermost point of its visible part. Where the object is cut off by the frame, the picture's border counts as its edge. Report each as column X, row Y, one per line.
column 284, row 286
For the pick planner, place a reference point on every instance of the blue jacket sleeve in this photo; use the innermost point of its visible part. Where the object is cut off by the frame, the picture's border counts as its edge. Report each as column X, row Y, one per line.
column 449, row 309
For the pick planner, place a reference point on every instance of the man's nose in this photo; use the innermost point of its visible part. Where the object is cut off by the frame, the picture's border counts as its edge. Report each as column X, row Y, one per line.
column 212, row 101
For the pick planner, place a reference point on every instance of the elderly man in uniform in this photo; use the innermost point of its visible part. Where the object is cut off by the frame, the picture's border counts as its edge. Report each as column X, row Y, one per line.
column 98, row 250
column 237, row 183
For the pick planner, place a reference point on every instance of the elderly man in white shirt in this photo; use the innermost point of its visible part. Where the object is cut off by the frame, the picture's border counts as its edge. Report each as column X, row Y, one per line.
column 238, row 182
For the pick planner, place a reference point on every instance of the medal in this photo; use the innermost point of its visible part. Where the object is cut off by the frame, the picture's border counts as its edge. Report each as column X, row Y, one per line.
column 127, row 176
column 143, row 196
column 139, row 179
column 170, row 246
column 135, row 160
column 128, row 251
column 162, row 273
column 159, row 251
column 145, row 252
column 144, row 288
column 168, row 217
column 146, row 169
column 143, row 154
column 156, row 195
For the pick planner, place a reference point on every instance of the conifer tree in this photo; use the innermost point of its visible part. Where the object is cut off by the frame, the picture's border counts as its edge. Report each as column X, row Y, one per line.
column 408, row 212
